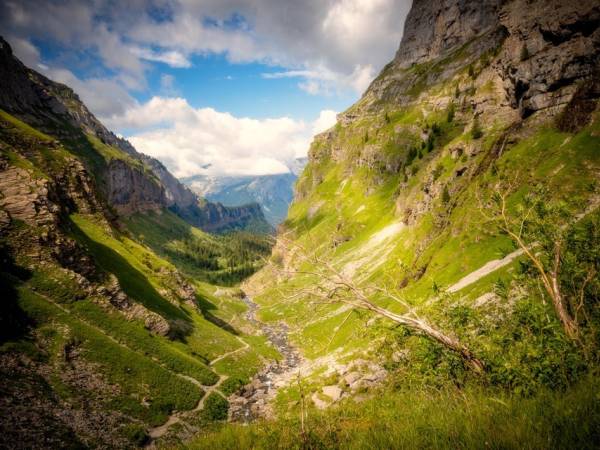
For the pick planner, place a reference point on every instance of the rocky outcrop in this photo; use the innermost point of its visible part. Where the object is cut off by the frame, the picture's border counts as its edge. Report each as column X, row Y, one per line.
column 129, row 189
column 176, row 193
column 544, row 50
column 552, row 46
column 111, row 291
column 433, row 28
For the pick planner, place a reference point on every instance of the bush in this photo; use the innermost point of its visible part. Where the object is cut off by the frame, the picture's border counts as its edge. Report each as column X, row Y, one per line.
column 445, row 195
column 476, row 131
column 215, row 407
column 231, row 385
column 136, row 434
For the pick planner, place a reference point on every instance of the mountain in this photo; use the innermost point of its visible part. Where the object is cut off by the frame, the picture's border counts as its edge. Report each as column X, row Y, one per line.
column 273, row 193
column 109, row 327
column 442, row 243
column 130, row 182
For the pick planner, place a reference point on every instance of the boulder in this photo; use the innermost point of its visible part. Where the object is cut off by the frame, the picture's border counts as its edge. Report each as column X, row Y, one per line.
column 333, row 392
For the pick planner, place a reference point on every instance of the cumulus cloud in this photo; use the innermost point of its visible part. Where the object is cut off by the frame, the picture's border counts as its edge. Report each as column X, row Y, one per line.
column 327, row 119
column 327, row 43
column 191, row 141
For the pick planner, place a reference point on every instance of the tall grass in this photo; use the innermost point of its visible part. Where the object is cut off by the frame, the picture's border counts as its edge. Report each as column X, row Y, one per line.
column 472, row 418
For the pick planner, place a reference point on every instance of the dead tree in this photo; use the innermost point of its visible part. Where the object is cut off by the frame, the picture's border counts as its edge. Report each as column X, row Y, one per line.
column 335, row 287
column 542, row 240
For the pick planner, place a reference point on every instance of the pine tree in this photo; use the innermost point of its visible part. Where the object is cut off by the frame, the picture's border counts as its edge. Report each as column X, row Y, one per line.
column 450, row 112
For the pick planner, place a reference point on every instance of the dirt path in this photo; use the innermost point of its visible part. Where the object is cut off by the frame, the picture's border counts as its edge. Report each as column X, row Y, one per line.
column 486, row 269
column 245, row 346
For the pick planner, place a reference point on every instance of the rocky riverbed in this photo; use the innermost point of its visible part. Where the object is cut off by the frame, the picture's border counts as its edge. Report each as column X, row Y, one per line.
column 253, row 400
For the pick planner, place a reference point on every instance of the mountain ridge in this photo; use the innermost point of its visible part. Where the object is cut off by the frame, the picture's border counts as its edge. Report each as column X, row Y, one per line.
column 132, row 182
column 273, row 192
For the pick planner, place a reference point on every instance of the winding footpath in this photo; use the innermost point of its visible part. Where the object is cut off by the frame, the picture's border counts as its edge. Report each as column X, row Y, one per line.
column 245, row 407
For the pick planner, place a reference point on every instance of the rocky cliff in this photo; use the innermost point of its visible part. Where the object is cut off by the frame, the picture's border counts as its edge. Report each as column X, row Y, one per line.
column 129, row 181
column 433, row 28
column 538, row 51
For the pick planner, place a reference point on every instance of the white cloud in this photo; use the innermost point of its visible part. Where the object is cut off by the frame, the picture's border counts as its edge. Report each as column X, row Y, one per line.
column 331, row 45
column 188, row 140
column 171, row 58
column 327, row 118
column 25, row 51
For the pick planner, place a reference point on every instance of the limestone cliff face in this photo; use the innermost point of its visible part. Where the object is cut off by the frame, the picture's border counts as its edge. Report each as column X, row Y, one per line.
column 130, row 190
column 495, row 62
column 434, row 27
column 175, row 192
column 551, row 49
column 539, row 51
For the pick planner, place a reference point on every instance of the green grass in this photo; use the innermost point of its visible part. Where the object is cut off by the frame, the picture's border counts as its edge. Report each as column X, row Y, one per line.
column 135, row 374
column 425, row 418
column 223, row 259
column 136, row 268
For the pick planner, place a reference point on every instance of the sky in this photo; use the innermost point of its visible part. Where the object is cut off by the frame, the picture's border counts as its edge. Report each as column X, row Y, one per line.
column 214, row 87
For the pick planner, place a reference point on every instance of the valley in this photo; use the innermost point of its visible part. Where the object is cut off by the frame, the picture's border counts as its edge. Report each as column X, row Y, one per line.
column 427, row 278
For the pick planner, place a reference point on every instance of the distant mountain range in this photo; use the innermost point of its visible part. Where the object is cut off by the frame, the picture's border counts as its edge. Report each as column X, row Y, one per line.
column 273, row 193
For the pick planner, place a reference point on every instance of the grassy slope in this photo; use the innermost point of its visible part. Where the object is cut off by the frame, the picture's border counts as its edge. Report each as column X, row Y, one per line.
column 224, row 259
column 147, row 371
column 566, row 163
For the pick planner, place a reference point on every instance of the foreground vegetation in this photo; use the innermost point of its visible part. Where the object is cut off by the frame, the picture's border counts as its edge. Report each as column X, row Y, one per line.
column 446, row 417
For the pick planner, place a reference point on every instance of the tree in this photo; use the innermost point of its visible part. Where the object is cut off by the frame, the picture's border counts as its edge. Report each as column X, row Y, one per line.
column 471, row 71
column 336, row 287
column 545, row 233
column 430, row 142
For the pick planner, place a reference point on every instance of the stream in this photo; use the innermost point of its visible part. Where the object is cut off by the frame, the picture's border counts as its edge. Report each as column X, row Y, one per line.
column 252, row 401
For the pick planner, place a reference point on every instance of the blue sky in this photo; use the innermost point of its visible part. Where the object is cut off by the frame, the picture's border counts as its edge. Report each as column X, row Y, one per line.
column 216, row 87
column 242, row 90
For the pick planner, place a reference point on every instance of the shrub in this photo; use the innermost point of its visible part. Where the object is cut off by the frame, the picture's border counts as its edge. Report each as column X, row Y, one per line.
column 437, row 171
column 136, row 434
column 476, row 131
column 231, row 385
column 215, row 407
column 445, row 195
